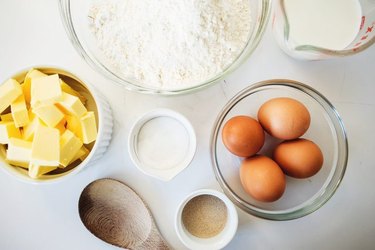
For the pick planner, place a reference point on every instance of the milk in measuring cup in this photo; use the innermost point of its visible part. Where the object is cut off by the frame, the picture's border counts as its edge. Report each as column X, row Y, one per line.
column 330, row 24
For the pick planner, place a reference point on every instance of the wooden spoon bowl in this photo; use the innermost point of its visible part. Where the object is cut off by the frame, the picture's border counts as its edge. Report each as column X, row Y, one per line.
column 114, row 213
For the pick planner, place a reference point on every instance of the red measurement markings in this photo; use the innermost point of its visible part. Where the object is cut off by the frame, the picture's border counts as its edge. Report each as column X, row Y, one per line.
column 369, row 29
column 362, row 22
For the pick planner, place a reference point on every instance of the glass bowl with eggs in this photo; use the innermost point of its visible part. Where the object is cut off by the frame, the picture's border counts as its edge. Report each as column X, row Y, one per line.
column 279, row 149
column 165, row 47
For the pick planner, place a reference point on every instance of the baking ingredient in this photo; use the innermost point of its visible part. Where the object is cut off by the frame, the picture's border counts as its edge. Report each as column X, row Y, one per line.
column 36, row 171
column 6, row 117
column 69, row 90
column 162, row 143
column 50, row 114
column 69, row 147
column 9, row 92
column 8, row 130
column 36, row 133
column 88, row 127
column 262, row 178
column 204, row 216
column 71, row 105
column 46, row 90
column 26, row 85
column 170, row 44
column 45, row 150
column 300, row 158
column 243, row 136
column 82, row 153
column 19, row 152
column 329, row 24
column 29, row 129
column 19, row 112
column 284, row 118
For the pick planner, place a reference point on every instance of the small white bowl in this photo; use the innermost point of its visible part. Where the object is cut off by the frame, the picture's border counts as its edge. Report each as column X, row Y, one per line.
column 218, row 241
column 162, row 143
column 104, row 120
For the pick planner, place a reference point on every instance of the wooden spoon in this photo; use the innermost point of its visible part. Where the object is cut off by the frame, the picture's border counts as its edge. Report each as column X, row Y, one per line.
column 114, row 213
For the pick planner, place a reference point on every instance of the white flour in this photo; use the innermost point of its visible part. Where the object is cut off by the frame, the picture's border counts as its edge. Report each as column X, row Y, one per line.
column 171, row 44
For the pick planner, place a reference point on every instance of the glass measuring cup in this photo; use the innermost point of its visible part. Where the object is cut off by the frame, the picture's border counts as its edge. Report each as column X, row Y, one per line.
column 363, row 40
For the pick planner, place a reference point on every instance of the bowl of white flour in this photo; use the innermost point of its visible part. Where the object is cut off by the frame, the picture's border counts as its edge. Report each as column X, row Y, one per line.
column 166, row 46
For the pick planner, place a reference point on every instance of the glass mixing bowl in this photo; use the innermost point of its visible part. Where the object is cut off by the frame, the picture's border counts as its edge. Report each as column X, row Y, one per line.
column 302, row 196
column 74, row 14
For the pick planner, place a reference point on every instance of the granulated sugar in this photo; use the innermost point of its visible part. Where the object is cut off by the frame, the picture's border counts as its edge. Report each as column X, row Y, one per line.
column 169, row 44
column 204, row 216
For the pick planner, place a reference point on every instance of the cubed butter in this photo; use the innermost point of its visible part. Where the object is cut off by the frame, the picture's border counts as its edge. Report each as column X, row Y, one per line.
column 9, row 92
column 67, row 89
column 45, row 90
column 6, row 117
column 19, row 112
column 26, row 85
column 61, row 126
column 26, row 93
column 73, row 124
column 8, row 130
column 33, row 73
column 71, row 105
column 69, row 147
column 49, row 114
column 19, row 152
column 36, row 171
column 29, row 129
column 82, row 153
column 45, row 150
column 88, row 127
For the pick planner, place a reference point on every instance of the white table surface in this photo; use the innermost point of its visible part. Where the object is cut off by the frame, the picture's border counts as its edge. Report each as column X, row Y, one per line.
column 46, row 217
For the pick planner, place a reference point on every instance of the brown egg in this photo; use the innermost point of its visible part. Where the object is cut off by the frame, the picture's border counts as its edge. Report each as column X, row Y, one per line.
column 299, row 158
column 262, row 178
column 243, row 136
column 284, row 118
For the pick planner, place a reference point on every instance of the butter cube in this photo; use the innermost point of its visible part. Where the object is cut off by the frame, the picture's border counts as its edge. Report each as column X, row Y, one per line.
column 8, row 130
column 29, row 129
column 61, row 126
column 26, row 85
column 26, row 93
column 19, row 112
column 46, row 90
column 33, row 73
column 69, row 147
column 36, row 171
column 9, row 92
column 19, row 152
column 73, row 124
column 7, row 117
column 71, row 105
column 67, row 89
column 82, row 153
column 49, row 114
column 45, row 150
column 88, row 127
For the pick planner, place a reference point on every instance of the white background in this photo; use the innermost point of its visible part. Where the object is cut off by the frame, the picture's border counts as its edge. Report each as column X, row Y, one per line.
column 46, row 217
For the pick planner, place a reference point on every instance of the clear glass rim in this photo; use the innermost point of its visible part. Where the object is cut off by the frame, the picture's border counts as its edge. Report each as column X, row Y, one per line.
column 324, row 195
column 311, row 48
column 64, row 6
